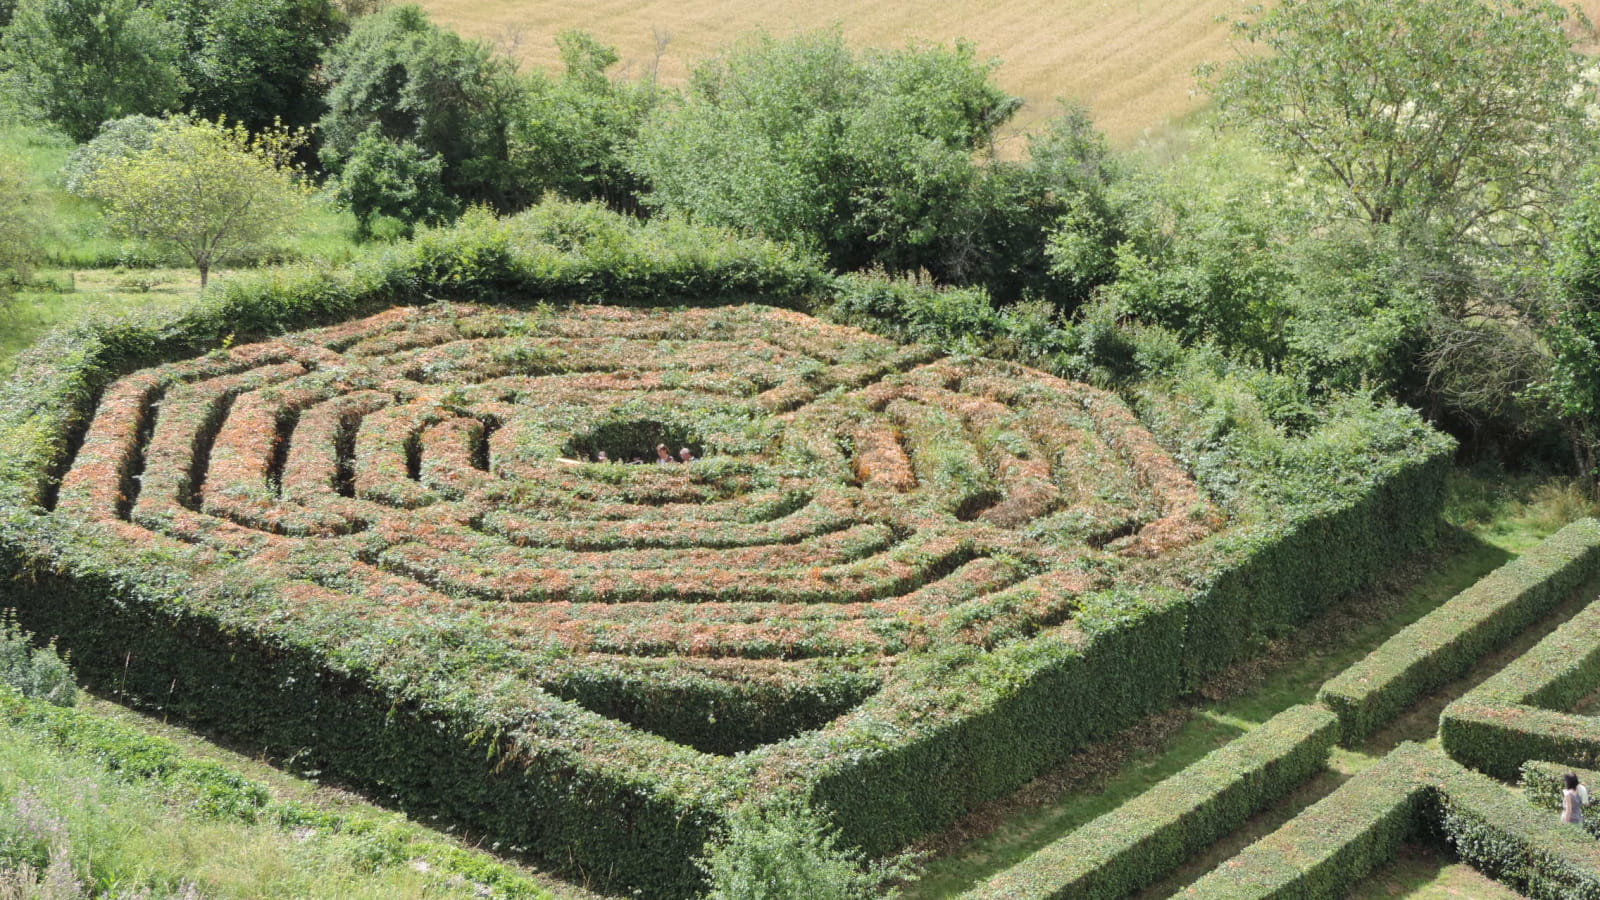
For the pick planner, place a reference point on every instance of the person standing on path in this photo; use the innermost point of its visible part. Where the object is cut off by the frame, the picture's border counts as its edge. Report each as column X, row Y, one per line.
column 1573, row 797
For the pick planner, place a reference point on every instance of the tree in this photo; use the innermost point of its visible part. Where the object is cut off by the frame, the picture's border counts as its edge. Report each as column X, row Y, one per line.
column 784, row 852
column 83, row 62
column 412, row 81
column 385, row 179
column 20, row 233
column 574, row 131
column 118, row 138
column 255, row 61
column 867, row 158
column 209, row 190
column 1453, row 115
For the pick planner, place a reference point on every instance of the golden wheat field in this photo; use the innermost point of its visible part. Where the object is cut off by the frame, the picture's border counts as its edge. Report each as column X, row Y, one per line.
column 1130, row 61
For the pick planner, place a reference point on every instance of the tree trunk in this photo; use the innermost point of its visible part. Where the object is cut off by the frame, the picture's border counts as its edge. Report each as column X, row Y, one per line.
column 205, row 272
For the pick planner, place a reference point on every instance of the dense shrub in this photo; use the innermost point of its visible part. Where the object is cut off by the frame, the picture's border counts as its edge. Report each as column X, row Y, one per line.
column 1444, row 644
column 33, row 671
column 1502, row 835
column 414, row 82
column 779, row 851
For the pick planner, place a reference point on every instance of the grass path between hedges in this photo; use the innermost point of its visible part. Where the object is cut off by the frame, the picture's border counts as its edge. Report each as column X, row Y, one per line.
column 1493, row 520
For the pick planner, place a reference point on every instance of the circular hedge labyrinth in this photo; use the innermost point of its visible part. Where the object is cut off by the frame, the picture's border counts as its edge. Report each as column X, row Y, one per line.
column 848, row 497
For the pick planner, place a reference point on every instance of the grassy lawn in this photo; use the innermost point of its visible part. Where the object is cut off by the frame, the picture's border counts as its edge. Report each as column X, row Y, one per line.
column 126, row 836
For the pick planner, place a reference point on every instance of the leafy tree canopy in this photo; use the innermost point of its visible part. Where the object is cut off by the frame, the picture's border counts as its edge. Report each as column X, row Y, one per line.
column 1454, row 115
column 208, row 190
column 412, row 81
column 83, row 62
column 254, row 61
column 867, row 157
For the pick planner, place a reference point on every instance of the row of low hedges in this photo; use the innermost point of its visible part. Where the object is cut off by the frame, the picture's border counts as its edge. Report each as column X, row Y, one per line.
column 1414, row 792
column 1334, row 843
column 1139, row 842
column 216, row 790
column 425, row 719
column 1512, row 717
column 1444, row 644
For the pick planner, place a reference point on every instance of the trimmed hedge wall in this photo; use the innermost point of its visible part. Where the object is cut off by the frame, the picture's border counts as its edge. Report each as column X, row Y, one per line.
column 1511, row 717
column 425, row 719
column 1126, row 656
column 218, row 791
column 1444, row 644
column 1145, row 838
column 1333, row 844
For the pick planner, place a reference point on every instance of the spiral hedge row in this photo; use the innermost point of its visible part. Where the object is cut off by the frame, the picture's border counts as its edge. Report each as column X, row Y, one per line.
column 352, row 520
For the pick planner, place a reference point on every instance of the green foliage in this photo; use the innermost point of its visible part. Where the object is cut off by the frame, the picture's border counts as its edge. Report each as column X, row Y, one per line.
column 118, row 139
column 210, row 191
column 254, row 61
column 574, row 133
column 1202, row 258
column 1456, row 115
column 783, row 850
column 33, row 671
column 397, row 181
column 1359, row 304
column 867, row 158
column 1444, row 644
column 1503, row 836
column 84, row 62
column 1324, row 851
column 1572, row 330
column 1137, row 844
column 21, row 232
column 412, row 81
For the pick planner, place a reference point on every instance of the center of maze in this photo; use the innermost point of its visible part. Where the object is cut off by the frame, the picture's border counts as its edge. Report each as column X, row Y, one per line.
column 849, row 497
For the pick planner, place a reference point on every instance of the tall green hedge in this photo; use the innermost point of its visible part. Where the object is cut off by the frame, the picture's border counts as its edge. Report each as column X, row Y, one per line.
column 1444, row 644
column 1542, row 785
column 1147, row 837
column 1511, row 841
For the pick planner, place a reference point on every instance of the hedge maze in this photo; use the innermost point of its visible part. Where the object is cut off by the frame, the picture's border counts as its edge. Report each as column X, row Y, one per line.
column 1511, row 727
column 345, row 522
column 849, row 499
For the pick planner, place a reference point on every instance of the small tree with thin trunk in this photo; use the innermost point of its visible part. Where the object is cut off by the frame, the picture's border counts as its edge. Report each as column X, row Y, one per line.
column 208, row 190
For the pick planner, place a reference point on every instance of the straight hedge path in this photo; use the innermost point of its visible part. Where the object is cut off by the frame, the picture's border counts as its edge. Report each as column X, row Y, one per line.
column 1548, row 586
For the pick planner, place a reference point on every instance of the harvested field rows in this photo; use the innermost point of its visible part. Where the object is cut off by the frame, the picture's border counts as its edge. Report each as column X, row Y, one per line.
column 1132, row 62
